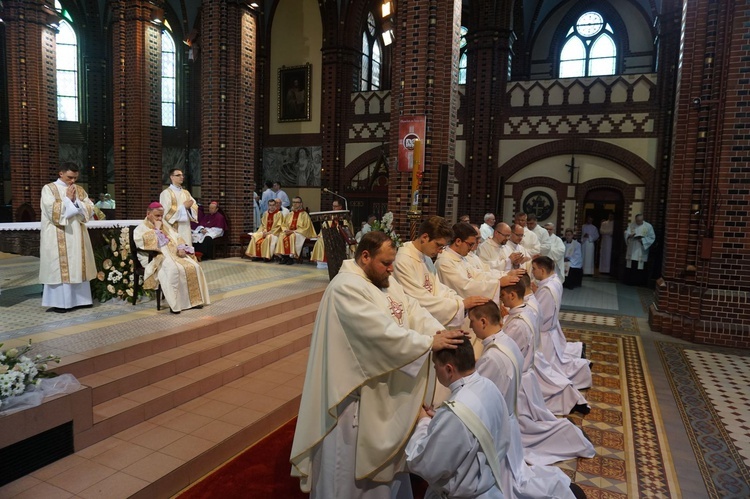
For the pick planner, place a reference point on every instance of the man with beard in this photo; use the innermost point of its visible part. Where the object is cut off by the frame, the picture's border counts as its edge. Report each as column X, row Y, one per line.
column 367, row 374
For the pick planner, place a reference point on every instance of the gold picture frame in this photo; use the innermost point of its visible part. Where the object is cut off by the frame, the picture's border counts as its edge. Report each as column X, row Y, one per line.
column 294, row 93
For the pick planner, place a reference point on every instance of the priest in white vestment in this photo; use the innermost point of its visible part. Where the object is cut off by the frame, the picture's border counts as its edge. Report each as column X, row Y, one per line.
column 501, row 363
column 179, row 206
column 488, row 227
column 519, row 256
column 470, row 446
column 415, row 271
column 66, row 260
column 540, row 232
column 639, row 236
column 367, row 376
column 551, row 393
column 556, row 251
column 589, row 236
column 296, row 227
column 494, row 251
column 530, row 240
column 563, row 355
column 606, row 231
column 175, row 268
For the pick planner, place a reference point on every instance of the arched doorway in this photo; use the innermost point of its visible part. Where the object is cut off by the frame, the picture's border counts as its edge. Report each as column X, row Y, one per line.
column 598, row 204
column 367, row 192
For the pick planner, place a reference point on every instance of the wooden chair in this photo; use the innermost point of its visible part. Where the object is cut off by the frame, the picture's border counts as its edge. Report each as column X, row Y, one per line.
column 139, row 272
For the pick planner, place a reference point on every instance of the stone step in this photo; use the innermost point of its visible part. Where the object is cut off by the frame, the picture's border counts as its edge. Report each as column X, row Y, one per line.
column 140, row 373
column 134, row 407
column 111, row 356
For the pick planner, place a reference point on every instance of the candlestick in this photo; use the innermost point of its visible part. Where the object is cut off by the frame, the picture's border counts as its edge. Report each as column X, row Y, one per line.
column 415, row 172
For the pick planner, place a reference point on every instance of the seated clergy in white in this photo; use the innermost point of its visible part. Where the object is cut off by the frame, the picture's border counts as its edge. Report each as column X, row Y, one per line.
column 295, row 228
column 552, row 393
column 562, row 355
column 546, row 439
column 263, row 242
column 415, row 271
column 180, row 276
column 501, row 363
column 458, row 273
column 467, row 448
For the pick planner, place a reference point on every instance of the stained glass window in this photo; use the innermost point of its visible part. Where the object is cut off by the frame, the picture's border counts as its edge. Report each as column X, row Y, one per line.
column 463, row 59
column 372, row 56
column 168, row 80
column 589, row 49
column 67, row 71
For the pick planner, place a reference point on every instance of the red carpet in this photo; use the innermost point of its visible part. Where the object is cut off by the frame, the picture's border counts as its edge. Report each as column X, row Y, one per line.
column 260, row 472
column 263, row 472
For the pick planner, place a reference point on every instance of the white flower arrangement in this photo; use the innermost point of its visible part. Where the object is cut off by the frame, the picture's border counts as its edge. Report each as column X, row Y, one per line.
column 385, row 224
column 115, row 265
column 19, row 373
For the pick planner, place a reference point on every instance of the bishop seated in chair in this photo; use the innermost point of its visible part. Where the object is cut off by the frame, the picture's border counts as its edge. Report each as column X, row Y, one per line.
column 174, row 266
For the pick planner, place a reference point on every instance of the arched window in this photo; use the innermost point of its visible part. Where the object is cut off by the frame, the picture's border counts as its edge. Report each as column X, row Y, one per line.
column 463, row 58
column 168, row 80
column 589, row 48
column 67, row 68
column 372, row 56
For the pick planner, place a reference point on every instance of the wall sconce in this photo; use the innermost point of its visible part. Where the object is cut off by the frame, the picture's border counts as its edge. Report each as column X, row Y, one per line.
column 157, row 15
column 387, row 11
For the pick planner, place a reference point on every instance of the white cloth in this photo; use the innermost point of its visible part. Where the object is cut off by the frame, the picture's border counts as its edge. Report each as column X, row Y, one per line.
column 530, row 242
column 418, row 276
column 557, row 435
column 66, row 259
column 519, row 248
column 544, row 240
column 256, row 211
column 564, row 356
column 589, row 235
column 605, row 250
column 213, row 232
column 557, row 254
column 458, row 273
column 369, row 344
column 445, row 453
column 486, row 231
column 178, row 217
column 181, row 278
column 639, row 244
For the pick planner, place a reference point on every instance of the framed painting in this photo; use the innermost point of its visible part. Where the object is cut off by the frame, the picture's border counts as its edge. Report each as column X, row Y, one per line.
column 294, row 93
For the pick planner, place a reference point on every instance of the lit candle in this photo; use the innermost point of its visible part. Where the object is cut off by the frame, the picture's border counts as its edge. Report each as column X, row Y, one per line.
column 417, row 166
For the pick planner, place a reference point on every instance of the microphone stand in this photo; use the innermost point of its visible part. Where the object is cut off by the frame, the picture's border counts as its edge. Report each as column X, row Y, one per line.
column 329, row 191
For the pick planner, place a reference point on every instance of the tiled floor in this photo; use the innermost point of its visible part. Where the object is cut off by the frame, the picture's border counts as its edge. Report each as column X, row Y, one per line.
column 148, row 449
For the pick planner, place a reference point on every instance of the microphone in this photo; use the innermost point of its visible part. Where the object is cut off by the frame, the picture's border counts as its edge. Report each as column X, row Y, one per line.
column 329, row 191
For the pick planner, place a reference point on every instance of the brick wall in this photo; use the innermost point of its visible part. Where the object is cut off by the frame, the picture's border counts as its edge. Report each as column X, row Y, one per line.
column 32, row 114
column 228, row 138
column 136, row 103
column 425, row 82
column 704, row 294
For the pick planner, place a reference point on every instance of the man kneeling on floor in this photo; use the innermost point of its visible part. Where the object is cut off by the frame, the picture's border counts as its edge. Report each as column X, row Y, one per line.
column 174, row 267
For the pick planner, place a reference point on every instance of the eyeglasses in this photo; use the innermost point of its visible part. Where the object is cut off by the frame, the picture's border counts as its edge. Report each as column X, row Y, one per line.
column 518, row 235
column 504, row 235
column 177, row 175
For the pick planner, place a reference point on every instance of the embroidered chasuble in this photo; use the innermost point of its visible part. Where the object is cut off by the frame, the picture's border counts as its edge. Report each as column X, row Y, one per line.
column 175, row 214
column 263, row 246
column 299, row 222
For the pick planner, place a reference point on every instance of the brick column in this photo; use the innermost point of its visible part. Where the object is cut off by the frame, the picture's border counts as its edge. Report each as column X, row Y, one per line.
column 705, row 295
column 488, row 46
column 228, row 82
column 136, row 100
column 32, row 98
column 425, row 82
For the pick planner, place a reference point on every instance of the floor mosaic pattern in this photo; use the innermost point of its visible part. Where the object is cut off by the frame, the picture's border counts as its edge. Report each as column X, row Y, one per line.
column 599, row 322
column 632, row 457
column 711, row 390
